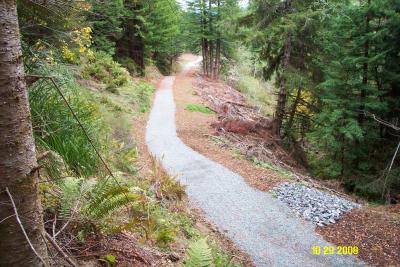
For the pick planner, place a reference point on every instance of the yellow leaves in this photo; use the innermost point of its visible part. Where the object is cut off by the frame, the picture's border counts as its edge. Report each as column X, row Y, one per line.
column 81, row 42
column 308, row 98
column 68, row 54
column 86, row 30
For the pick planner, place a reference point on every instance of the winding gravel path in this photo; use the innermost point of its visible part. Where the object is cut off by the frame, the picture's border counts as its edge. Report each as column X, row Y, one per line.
column 259, row 224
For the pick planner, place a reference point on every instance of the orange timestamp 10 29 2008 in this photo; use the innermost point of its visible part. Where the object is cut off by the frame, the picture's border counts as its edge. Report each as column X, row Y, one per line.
column 332, row 250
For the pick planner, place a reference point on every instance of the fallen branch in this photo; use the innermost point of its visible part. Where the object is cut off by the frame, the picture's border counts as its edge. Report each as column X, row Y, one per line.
column 239, row 104
column 23, row 229
column 57, row 247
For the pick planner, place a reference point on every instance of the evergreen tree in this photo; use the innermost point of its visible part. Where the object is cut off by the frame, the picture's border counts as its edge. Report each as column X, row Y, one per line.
column 211, row 24
column 358, row 48
column 105, row 18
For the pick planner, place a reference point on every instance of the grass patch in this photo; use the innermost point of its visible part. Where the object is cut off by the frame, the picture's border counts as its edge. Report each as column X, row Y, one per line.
column 271, row 166
column 198, row 108
column 56, row 130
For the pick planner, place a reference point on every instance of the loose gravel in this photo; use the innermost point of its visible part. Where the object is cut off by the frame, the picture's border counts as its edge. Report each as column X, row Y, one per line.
column 258, row 223
column 321, row 208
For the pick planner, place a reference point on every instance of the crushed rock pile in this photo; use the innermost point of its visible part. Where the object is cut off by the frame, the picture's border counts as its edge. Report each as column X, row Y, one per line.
column 319, row 207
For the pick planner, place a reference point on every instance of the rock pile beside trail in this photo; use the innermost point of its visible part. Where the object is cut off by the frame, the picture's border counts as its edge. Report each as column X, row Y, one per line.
column 321, row 208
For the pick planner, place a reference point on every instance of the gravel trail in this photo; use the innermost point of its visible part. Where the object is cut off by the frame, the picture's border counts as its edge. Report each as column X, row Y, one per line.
column 259, row 224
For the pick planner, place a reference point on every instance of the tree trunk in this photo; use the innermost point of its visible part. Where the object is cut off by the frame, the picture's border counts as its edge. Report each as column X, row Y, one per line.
column 294, row 107
column 217, row 59
column 17, row 152
column 210, row 41
column 363, row 94
column 280, row 108
column 217, row 46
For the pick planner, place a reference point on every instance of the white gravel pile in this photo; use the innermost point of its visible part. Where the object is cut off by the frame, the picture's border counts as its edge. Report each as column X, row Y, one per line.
column 321, row 208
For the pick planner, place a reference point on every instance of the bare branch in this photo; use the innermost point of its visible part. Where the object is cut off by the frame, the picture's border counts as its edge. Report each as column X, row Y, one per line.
column 57, row 247
column 387, row 124
column 23, row 229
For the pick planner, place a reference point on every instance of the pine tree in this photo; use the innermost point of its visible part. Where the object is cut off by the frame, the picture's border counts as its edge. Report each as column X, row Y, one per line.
column 105, row 18
column 358, row 48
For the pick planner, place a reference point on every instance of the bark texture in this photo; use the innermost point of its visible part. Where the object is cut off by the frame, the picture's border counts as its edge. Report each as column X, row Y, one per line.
column 280, row 108
column 17, row 152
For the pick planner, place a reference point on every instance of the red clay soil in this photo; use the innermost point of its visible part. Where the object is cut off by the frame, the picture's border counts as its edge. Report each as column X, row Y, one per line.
column 376, row 232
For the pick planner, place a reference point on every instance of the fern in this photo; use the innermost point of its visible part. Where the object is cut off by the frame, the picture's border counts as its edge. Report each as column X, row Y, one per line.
column 70, row 194
column 107, row 198
column 199, row 254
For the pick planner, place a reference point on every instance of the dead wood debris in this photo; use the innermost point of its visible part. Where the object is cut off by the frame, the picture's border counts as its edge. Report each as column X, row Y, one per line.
column 241, row 124
column 127, row 250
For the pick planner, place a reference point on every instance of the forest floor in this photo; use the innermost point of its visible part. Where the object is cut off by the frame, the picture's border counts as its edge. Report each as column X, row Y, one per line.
column 375, row 230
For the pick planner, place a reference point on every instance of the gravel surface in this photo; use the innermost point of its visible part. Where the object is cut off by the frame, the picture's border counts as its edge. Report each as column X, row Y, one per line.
column 321, row 208
column 258, row 223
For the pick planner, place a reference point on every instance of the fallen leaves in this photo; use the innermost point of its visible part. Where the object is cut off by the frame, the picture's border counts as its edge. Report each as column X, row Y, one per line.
column 376, row 232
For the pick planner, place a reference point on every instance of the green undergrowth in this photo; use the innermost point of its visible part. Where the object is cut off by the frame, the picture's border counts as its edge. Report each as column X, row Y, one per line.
column 244, row 75
column 56, row 130
column 198, row 108
column 104, row 69
column 203, row 250
column 79, row 190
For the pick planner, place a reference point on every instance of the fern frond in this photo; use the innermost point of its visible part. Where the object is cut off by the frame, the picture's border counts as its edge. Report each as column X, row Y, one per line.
column 111, row 199
column 102, row 191
column 199, row 254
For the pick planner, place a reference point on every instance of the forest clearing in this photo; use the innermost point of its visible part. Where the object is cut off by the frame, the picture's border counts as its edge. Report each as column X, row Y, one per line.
column 199, row 133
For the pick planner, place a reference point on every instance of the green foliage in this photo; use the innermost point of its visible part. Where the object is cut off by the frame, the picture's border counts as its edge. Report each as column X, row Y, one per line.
column 109, row 259
column 355, row 86
column 342, row 57
column 243, row 72
column 130, row 65
column 209, row 28
column 160, row 31
column 103, row 68
column 222, row 258
column 70, row 195
column 56, row 130
column 125, row 159
column 47, row 28
column 198, row 108
column 105, row 18
column 144, row 92
column 199, row 254
column 168, row 187
column 106, row 198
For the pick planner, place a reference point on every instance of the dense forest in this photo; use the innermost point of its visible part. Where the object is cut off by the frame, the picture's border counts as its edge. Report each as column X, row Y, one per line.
column 77, row 76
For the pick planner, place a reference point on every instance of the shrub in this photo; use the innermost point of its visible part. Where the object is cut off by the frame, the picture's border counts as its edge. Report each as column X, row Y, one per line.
column 130, row 65
column 144, row 91
column 103, row 68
